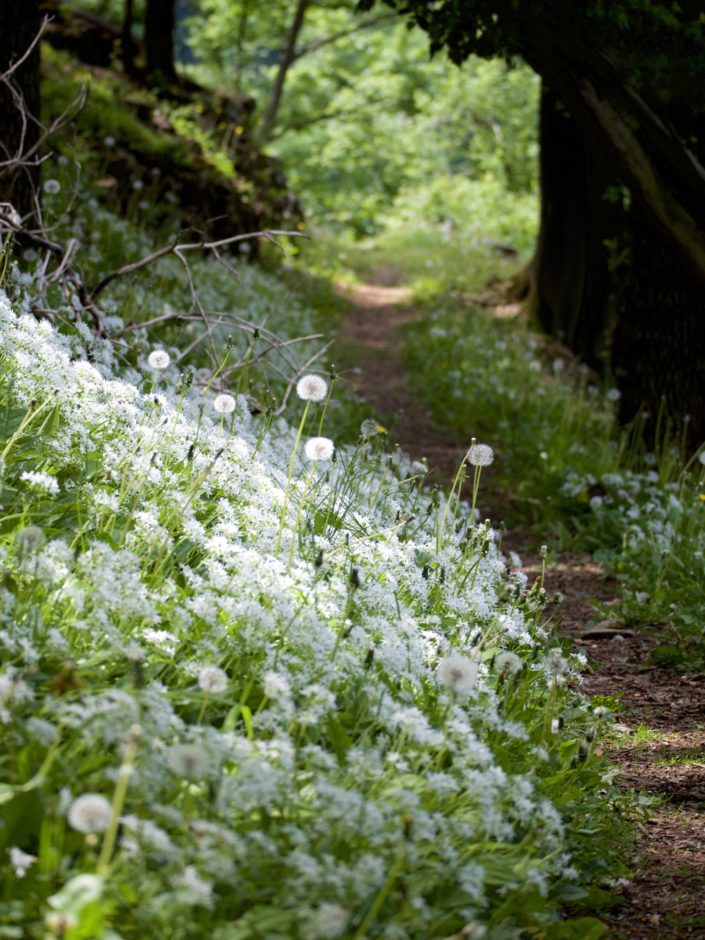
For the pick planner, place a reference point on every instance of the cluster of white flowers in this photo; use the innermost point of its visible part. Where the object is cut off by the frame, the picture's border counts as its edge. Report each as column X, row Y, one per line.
column 343, row 698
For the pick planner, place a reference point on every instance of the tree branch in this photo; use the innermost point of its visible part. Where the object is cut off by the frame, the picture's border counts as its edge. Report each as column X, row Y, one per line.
column 327, row 40
column 180, row 248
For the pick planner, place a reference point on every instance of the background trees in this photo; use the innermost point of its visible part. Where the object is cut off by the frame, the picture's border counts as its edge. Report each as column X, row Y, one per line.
column 622, row 121
column 368, row 130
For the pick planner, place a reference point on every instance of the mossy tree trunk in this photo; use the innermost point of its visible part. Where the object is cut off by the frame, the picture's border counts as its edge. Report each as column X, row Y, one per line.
column 19, row 113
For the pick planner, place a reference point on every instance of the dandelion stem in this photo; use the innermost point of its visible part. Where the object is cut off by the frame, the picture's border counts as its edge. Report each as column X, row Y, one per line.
column 123, row 782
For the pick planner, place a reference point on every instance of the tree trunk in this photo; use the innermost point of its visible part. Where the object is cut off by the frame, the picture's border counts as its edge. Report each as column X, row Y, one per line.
column 287, row 57
column 128, row 59
column 571, row 280
column 19, row 131
column 658, row 347
column 159, row 40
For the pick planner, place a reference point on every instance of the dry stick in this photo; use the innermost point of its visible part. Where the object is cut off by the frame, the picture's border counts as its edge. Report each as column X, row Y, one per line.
column 182, row 247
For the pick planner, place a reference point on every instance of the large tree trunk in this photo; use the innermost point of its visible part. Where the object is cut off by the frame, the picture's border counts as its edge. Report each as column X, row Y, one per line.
column 19, row 130
column 571, row 280
column 128, row 58
column 658, row 347
column 159, row 40
column 657, row 292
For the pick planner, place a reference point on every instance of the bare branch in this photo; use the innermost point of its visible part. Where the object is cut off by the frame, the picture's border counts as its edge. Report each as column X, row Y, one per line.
column 5, row 76
column 181, row 248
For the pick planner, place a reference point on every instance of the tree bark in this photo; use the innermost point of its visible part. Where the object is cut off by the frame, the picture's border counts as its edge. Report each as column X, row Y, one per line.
column 287, row 57
column 159, row 21
column 571, row 280
column 128, row 59
column 654, row 301
column 658, row 347
column 19, row 130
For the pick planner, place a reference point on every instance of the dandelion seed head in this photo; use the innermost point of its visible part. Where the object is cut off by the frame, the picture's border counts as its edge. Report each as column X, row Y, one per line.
column 159, row 359
column 369, row 428
column 312, row 388
column 319, row 448
column 90, row 813
column 613, row 394
column 275, row 685
column 188, row 760
column 480, row 455
column 212, row 679
column 507, row 663
column 52, row 187
column 29, row 540
column 224, row 404
column 457, row 673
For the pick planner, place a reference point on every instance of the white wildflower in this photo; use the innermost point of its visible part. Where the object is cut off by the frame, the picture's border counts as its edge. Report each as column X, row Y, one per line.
column 21, row 861
column 193, row 889
column 457, row 673
column 213, row 680
column 328, row 922
column 312, row 388
column 480, row 455
column 90, row 813
column 319, row 448
column 44, row 482
column 159, row 359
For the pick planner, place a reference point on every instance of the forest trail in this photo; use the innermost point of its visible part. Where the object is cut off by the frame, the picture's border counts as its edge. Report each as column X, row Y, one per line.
column 661, row 724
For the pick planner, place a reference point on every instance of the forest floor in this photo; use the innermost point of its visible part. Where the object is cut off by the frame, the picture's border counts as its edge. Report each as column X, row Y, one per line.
column 659, row 743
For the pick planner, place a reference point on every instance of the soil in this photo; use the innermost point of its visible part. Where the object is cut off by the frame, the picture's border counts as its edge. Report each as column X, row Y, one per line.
column 659, row 741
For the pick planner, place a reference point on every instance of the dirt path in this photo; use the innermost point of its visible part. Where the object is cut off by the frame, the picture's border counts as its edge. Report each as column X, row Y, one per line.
column 661, row 725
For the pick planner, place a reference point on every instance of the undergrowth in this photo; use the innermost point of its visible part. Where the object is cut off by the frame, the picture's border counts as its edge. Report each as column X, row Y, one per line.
column 567, row 469
column 248, row 690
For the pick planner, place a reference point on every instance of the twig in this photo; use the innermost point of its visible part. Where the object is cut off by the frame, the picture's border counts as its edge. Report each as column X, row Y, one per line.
column 180, row 248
